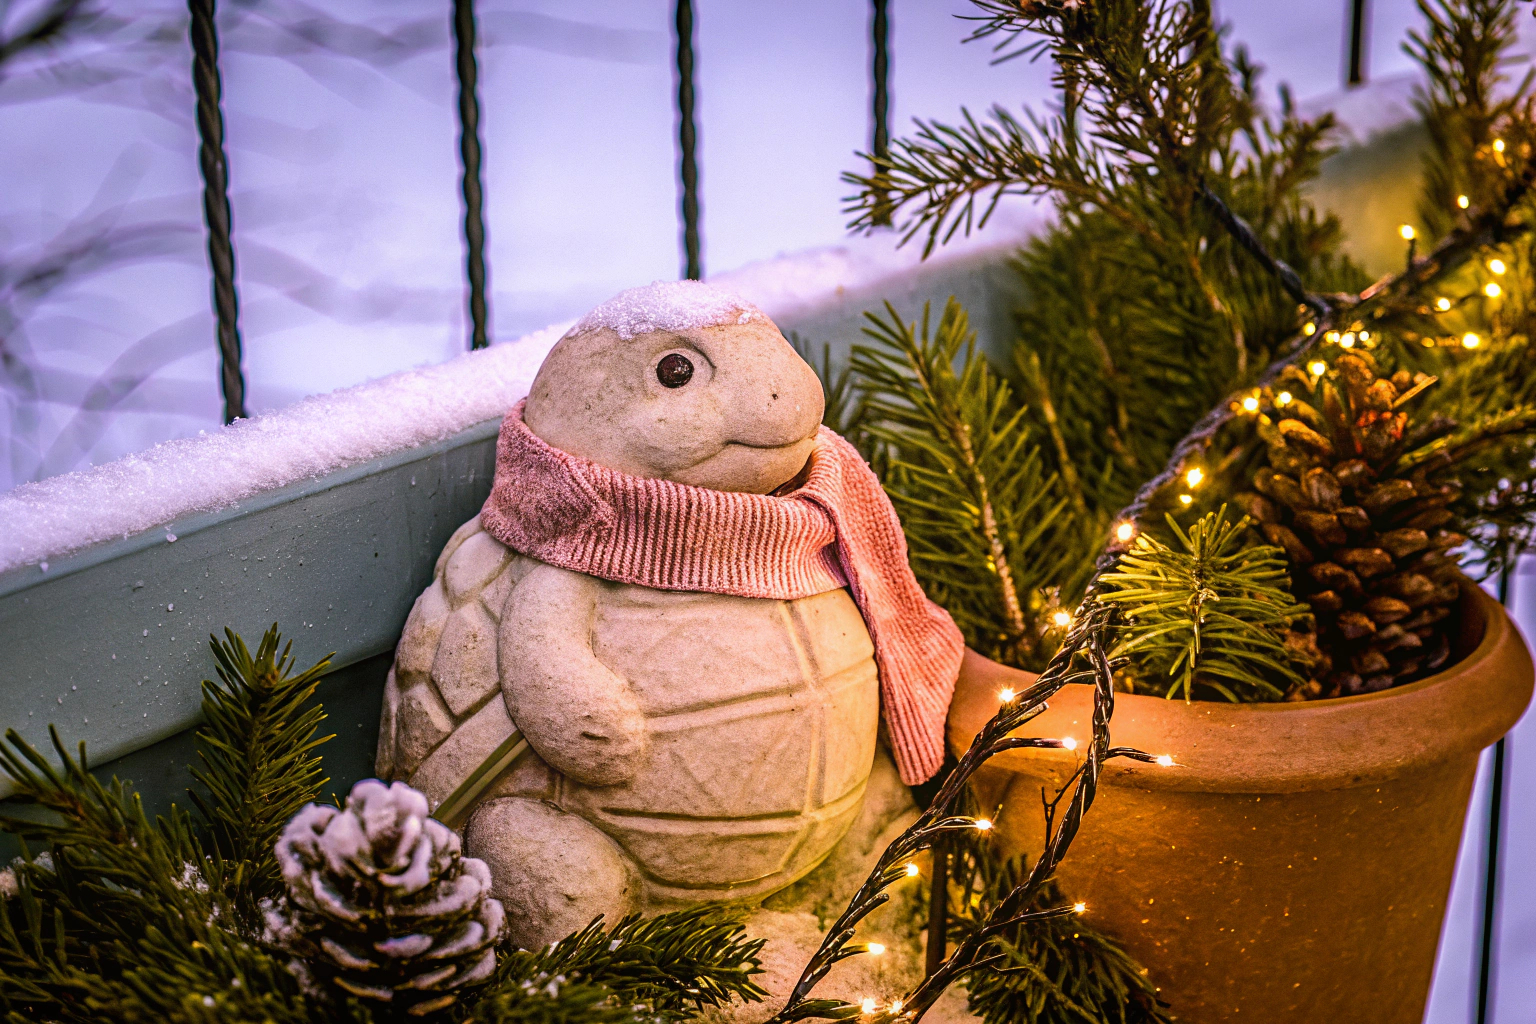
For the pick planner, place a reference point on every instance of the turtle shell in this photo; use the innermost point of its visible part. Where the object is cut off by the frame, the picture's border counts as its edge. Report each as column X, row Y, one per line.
column 762, row 719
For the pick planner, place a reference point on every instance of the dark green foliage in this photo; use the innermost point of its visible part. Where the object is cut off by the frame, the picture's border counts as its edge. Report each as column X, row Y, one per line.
column 1057, row 970
column 257, row 746
column 983, row 517
column 1209, row 613
column 674, row 964
column 124, row 919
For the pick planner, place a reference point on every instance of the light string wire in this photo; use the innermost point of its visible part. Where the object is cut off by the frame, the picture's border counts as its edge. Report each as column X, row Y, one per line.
column 1083, row 654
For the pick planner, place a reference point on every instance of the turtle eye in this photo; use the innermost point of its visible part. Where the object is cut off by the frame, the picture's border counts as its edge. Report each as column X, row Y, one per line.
column 674, row 370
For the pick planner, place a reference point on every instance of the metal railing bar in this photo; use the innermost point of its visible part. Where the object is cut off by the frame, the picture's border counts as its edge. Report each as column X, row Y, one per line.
column 214, row 165
column 471, row 182
column 687, row 141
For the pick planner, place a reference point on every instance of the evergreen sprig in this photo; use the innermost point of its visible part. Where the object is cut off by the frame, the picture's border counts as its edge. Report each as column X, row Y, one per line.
column 676, row 963
column 983, row 519
column 258, row 750
column 1208, row 612
column 1058, row 970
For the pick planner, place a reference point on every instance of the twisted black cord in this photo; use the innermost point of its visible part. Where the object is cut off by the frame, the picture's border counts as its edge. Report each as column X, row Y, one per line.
column 687, row 139
column 1486, row 957
column 216, row 212
column 468, row 72
column 1245, row 237
column 881, row 104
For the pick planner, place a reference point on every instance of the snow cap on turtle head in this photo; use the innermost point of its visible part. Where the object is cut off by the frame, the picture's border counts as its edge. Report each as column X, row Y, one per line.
column 668, row 306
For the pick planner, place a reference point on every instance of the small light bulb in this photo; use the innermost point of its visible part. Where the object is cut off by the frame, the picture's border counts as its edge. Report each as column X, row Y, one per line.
column 1470, row 340
column 1284, row 398
column 1429, row 342
column 1068, row 743
column 1125, row 531
column 1498, row 145
column 1365, row 335
column 1006, row 695
column 1442, row 304
column 1186, row 499
column 1317, row 367
column 1348, row 340
column 868, row 1005
column 1166, row 760
column 983, row 824
column 1497, row 266
column 1062, row 619
column 1251, row 404
column 1407, row 232
column 1079, row 908
column 876, row 948
column 1331, row 336
column 1463, row 202
column 1492, row 290
column 913, row 870
column 1309, row 328
column 1194, row 476
column 896, row 1005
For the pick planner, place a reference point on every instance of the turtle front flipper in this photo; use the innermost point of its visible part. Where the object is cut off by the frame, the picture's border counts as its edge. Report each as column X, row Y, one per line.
column 577, row 714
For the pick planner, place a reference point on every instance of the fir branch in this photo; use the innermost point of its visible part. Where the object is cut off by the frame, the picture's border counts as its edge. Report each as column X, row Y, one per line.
column 942, row 436
column 1060, row 970
column 257, row 747
column 672, row 964
column 1211, row 613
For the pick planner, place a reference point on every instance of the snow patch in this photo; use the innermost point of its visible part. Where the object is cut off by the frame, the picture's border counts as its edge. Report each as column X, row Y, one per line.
column 671, row 306
column 318, row 435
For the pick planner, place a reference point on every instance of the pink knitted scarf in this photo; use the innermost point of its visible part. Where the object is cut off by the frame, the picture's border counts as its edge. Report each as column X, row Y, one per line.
column 836, row 530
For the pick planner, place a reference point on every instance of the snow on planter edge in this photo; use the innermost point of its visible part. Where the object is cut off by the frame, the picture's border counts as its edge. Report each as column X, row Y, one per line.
column 323, row 433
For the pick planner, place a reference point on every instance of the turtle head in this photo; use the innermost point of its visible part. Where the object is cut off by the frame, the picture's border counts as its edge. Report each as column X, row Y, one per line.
column 680, row 381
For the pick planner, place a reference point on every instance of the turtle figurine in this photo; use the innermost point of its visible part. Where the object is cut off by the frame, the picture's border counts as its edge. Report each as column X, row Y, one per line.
column 600, row 689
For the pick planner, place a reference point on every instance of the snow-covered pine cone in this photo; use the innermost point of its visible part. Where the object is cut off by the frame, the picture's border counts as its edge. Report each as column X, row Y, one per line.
column 381, row 903
column 1369, row 543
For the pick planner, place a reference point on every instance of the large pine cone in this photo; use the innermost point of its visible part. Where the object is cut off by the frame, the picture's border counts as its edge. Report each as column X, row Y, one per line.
column 381, row 903
column 1369, row 543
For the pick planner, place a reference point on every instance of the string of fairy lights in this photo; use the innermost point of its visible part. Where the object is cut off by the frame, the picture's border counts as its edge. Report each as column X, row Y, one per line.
column 1088, row 631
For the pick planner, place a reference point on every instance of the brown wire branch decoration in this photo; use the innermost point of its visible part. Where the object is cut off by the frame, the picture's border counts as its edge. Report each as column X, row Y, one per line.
column 1083, row 654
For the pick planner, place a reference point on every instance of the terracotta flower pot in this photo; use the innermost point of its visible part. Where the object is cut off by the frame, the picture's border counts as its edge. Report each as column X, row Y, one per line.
column 1295, row 865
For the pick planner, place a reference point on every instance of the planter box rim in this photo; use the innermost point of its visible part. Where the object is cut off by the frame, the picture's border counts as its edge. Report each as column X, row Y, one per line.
column 1282, row 747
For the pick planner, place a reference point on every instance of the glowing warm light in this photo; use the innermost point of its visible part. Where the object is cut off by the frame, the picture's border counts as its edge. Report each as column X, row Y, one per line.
column 1186, row 499
column 1317, row 367
column 983, row 824
column 1365, row 335
column 1498, row 145
column 896, row 1005
column 1079, row 908
column 876, row 948
column 868, row 1005
column 1166, row 760
column 1068, row 743
column 1348, row 341
column 1006, row 695
column 1125, row 531
column 1407, row 232
column 1497, row 266
column 1309, row 328
column 1062, row 619
column 1470, row 340
column 913, row 870
column 1332, row 336
column 1251, row 404
column 1463, row 202
column 1194, row 476
column 1492, row 290
column 1442, row 304
column 1284, row 398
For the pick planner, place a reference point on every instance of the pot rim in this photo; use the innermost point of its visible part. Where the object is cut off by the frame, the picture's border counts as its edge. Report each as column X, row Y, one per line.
column 1342, row 742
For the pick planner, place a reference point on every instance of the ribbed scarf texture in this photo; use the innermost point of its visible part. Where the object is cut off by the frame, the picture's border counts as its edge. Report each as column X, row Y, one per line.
column 837, row 530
